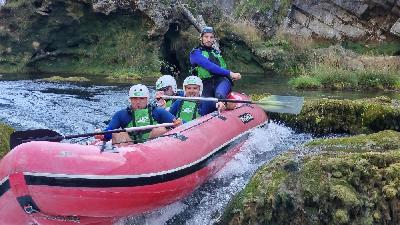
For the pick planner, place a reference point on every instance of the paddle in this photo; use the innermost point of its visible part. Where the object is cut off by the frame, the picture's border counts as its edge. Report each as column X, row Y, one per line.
column 272, row 103
column 19, row 137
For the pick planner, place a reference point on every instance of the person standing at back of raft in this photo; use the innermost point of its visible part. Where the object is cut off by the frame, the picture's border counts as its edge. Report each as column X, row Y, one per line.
column 185, row 109
column 166, row 85
column 208, row 64
column 139, row 113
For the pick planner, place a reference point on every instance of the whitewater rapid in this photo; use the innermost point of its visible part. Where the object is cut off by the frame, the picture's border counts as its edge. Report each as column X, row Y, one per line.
column 76, row 109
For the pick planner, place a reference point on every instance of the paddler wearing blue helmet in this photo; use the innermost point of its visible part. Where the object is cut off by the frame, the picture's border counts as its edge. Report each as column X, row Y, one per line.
column 208, row 64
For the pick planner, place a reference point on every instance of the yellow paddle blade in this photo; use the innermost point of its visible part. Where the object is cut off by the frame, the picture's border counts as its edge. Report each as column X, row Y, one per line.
column 281, row 104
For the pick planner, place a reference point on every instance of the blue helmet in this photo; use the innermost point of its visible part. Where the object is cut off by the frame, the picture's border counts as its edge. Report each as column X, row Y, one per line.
column 207, row 30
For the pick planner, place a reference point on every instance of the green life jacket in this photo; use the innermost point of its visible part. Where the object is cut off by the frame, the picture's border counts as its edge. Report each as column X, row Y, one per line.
column 188, row 111
column 212, row 55
column 168, row 103
column 141, row 117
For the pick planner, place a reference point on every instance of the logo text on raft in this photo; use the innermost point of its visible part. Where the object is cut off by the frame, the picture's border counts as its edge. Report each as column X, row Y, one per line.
column 247, row 117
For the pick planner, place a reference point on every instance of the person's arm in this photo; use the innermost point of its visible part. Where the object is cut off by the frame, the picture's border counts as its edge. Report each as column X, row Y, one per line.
column 180, row 93
column 206, row 107
column 162, row 116
column 201, row 108
column 174, row 107
column 196, row 58
column 119, row 120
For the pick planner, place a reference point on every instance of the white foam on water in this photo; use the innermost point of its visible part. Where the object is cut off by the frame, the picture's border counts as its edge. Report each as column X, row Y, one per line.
column 157, row 217
column 74, row 109
column 205, row 205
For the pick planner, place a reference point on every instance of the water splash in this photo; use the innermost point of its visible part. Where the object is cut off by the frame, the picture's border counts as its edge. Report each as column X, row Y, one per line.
column 74, row 109
column 206, row 204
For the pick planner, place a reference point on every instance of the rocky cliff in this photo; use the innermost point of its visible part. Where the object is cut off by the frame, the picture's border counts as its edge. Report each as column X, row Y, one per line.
column 145, row 37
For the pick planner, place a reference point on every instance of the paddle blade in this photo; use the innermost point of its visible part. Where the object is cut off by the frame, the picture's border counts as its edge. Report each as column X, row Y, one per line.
column 281, row 104
column 19, row 137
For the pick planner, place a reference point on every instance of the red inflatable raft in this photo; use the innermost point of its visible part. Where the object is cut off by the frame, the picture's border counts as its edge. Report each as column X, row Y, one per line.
column 61, row 183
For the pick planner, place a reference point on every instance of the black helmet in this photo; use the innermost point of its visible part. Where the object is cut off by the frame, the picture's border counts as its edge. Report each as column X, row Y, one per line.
column 207, row 30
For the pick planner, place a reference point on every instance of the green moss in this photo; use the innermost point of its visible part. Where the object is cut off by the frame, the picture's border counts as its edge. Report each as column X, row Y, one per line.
column 5, row 132
column 257, row 97
column 66, row 79
column 363, row 193
column 122, row 48
column 341, row 217
column 314, row 182
column 258, row 196
column 384, row 140
column 346, row 195
column 323, row 116
column 377, row 215
column 329, row 187
column 389, row 191
column 79, row 41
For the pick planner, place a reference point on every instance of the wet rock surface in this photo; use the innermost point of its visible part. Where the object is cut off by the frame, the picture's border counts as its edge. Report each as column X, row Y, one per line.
column 325, row 116
column 352, row 180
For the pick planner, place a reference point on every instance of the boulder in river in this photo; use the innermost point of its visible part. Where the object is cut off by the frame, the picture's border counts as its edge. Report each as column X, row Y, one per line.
column 351, row 180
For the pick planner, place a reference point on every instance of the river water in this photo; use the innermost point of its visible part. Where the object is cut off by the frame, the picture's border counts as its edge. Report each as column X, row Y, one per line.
column 28, row 103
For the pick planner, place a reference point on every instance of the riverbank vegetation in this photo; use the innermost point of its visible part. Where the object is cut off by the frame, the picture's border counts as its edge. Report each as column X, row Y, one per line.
column 72, row 38
column 325, row 77
column 338, row 68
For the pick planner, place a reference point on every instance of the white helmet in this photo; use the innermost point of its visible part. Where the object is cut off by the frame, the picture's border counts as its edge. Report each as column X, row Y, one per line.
column 165, row 81
column 193, row 80
column 139, row 90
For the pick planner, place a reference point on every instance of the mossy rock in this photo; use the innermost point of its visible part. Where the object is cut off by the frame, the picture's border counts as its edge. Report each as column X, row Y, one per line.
column 257, row 97
column 324, row 116
column 329, row 187
column 5, row 132
column 66, row 79
column 124, row 78
column 380, row 141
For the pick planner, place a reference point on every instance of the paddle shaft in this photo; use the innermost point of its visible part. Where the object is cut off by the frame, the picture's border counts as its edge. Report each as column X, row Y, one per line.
column 130, row 129
column 272, row 103
column 208, row 99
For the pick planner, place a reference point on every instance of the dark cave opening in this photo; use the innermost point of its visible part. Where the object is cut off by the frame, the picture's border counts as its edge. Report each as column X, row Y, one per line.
column 170, row 60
